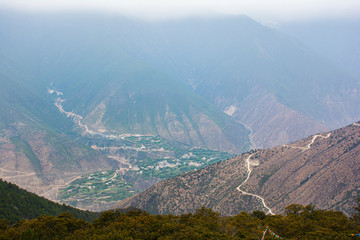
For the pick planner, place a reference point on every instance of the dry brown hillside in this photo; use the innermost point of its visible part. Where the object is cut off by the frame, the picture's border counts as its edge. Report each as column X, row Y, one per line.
column 321, row 170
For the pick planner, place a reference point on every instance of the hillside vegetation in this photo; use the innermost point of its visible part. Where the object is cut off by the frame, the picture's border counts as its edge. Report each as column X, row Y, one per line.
column 17, row 204
column 299, row 222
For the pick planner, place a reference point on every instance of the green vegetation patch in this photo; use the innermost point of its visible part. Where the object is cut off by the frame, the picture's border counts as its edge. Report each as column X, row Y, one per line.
column 191, row 159
column 17, row 204
column 105, row 186
column 151, row 159
column 299, row 222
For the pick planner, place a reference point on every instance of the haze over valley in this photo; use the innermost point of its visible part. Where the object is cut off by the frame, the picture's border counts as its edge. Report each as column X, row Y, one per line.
column 97, row 108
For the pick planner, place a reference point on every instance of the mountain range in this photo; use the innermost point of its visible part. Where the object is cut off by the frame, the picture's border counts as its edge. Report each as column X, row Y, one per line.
column 89, row 96
column 234, row 63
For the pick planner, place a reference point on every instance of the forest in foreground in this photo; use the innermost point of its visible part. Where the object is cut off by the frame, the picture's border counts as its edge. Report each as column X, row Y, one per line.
column 298, row 222
column 26, row 216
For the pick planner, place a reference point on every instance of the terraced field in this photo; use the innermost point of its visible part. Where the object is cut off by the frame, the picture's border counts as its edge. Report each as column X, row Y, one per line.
column 142, row 161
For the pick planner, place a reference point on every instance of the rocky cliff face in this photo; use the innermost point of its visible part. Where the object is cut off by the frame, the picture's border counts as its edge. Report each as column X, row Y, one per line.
column 321, row 170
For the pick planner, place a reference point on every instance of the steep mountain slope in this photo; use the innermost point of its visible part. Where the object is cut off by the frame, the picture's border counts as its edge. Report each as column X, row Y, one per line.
column 321, row 170
column 18, row 204
column 324, row 173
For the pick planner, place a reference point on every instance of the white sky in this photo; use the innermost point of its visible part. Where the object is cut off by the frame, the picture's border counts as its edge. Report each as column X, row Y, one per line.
column 267, row 10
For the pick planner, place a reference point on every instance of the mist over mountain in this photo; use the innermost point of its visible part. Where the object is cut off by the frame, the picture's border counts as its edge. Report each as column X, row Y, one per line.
column 228, row 60
column 336, row 39
column 242, row 66
column 94, row 64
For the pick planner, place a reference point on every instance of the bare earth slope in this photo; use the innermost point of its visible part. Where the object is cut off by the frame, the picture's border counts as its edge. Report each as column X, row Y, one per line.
column 322, row 170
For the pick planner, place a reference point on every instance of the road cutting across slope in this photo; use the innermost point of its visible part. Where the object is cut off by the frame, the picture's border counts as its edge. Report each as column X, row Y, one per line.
column 248, row 166
column 311, row 143
column 247, row 178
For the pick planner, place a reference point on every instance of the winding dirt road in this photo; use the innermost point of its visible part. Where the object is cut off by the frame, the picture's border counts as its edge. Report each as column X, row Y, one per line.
column 247, row 178
column 311, row 143
column 248, row 166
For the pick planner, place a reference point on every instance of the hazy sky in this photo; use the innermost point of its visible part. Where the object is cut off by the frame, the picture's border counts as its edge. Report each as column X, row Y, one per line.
column 267, row 10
